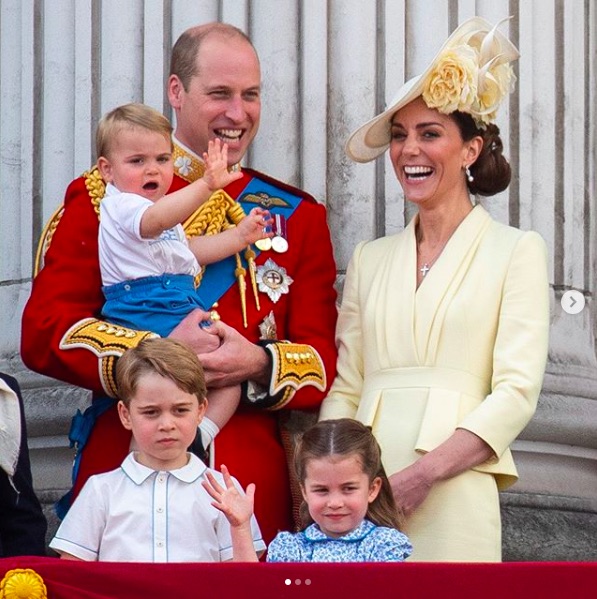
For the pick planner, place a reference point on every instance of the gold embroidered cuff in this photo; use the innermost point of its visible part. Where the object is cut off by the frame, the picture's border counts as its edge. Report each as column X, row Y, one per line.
column 107, row 342
column 108, row 375
column 102, row 338
column 294, row 365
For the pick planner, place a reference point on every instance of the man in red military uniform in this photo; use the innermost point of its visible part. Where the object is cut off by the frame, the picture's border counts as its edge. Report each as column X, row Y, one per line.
column 277, row 305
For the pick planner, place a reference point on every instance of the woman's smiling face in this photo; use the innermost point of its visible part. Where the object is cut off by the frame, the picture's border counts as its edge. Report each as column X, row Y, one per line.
column 429, row 154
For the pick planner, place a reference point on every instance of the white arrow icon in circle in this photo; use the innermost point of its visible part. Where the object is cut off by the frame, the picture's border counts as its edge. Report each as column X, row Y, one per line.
column 573, row 301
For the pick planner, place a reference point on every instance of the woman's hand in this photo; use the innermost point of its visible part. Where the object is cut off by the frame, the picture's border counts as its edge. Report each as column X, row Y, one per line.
column 460, row 452
column 410, row 487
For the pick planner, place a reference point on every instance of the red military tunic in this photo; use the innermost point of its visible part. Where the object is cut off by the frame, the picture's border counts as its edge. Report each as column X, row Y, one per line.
column 62, row 338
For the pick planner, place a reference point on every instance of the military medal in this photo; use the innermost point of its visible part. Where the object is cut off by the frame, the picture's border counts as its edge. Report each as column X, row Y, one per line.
column 279, row 241
column 267, row 328
column 279, row 244
column 273, row 280
column 264, row 244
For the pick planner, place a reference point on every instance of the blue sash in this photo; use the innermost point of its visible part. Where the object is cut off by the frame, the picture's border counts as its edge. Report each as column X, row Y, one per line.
column 219, row 277
column 81, row 426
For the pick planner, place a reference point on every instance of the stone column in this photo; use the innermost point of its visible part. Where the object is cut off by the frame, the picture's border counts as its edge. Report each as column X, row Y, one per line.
column 551, row 513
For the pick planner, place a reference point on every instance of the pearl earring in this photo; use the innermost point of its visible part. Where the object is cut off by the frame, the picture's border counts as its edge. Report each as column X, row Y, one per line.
column 467, row 171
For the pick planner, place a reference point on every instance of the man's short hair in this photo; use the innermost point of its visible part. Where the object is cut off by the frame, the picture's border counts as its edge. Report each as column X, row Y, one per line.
column 183, row 62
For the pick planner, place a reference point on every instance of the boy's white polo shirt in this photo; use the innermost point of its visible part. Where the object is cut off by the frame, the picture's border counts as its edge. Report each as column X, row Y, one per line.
column 136, row 514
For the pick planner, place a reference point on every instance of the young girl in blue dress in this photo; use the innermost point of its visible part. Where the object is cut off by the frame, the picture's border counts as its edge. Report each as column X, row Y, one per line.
column 348, row 510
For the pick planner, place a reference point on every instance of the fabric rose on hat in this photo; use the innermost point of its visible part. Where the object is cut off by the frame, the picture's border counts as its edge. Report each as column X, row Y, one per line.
column 473, row 76
column 493, row 85
column 452, row 84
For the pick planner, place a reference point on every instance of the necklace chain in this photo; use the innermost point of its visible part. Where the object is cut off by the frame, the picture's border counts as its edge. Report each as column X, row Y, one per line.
column 428, row 264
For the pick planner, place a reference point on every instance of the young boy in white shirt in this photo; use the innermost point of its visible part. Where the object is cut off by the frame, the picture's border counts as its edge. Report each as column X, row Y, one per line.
column 163, row 504
column 148, row 266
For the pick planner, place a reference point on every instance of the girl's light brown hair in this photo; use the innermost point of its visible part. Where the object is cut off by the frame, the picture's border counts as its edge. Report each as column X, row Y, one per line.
column 166, row 357
column 342, row 438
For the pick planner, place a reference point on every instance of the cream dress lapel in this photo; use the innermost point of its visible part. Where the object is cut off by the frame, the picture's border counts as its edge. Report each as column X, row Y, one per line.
column 386, row 293
column 442, row 282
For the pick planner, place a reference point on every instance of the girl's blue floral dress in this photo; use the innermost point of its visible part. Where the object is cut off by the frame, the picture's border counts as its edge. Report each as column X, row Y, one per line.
column 367, row 543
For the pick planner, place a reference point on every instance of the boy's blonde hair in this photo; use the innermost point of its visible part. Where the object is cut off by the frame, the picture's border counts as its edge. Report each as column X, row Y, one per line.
column 166, row 357
column 129, row 116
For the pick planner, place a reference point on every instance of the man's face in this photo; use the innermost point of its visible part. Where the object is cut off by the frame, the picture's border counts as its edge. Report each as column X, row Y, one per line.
column 223, row 100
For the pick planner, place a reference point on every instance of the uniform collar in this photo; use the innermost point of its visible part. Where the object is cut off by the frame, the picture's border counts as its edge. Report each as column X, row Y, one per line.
column 314, row 534
column 139, row 473
column 188, row 165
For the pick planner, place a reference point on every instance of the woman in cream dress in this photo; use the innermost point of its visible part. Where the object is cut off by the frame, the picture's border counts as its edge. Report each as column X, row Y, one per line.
column 443, row 329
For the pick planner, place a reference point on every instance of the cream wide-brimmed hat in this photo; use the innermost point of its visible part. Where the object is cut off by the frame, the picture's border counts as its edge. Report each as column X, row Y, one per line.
column 471, row 73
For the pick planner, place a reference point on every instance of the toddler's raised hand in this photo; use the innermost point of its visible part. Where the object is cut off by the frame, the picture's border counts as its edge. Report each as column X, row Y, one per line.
column 216, row 174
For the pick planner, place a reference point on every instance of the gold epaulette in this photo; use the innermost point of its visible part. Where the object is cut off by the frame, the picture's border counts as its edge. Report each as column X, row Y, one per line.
column 46, row 239
column 294, row 365
column 107, row 342
column 96, row 188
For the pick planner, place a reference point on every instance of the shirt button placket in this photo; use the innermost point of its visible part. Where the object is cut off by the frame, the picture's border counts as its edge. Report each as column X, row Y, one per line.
column 160, row 528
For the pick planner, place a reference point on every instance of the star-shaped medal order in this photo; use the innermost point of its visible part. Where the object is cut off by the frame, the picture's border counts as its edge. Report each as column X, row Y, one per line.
column 273, row 280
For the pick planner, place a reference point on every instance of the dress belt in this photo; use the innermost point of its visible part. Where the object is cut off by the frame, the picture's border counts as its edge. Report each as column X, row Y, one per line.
column 427, row 377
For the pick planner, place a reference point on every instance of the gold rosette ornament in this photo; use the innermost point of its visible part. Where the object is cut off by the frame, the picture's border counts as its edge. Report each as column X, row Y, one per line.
column 23, row 584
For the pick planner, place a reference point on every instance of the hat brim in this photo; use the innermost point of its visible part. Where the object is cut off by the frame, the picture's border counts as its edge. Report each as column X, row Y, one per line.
column 373, row 138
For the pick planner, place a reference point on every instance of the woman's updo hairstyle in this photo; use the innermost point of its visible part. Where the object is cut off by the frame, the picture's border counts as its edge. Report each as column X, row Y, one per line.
column 491, row 171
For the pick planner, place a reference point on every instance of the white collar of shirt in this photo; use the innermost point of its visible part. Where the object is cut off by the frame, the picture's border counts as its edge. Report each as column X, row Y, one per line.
column 112, row 190
column 139, row 473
